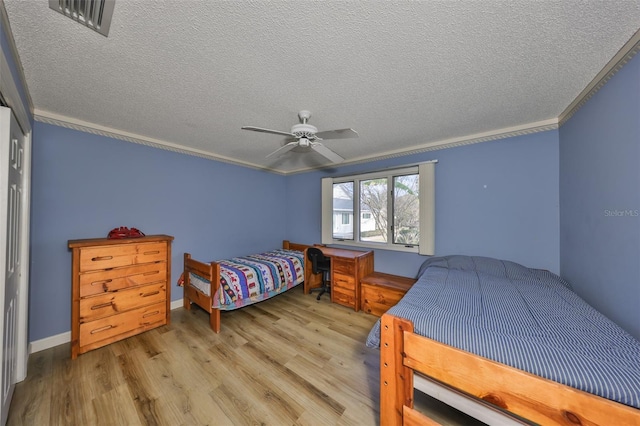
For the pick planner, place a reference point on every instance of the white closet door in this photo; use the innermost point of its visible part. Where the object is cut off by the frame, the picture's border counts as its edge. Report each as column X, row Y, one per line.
column 12, row 242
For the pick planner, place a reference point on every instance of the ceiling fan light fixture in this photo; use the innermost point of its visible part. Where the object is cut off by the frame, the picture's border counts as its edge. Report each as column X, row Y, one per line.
column 304, row 142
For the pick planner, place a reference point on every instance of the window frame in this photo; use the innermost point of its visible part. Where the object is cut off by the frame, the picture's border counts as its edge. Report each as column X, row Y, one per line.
column 426, row 195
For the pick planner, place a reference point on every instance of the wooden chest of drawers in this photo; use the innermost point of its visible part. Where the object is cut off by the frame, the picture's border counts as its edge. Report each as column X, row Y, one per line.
column 119, row 288
column 380, row 291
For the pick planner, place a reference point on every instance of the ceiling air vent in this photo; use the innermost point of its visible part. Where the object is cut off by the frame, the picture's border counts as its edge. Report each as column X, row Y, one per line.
column 95, row 14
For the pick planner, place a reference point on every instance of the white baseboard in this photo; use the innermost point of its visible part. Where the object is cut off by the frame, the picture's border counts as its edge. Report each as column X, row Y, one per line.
column 62, row 338
column 49, row 342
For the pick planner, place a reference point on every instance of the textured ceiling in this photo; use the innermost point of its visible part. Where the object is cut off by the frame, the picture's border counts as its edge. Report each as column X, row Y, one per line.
column 403, row 74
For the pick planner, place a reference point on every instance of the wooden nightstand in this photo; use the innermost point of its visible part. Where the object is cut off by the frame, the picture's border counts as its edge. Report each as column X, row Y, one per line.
column 380, row 291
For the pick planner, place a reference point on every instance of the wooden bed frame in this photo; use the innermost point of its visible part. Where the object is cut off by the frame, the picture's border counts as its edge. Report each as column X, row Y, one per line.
column 211, row 272
column 530, row 397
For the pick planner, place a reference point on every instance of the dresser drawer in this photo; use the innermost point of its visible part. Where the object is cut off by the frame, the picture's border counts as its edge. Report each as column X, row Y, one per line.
column 342, row 297
column 105, row 328
column 97, row 282
column 343, row 266
column 103, row 305
column 93, row 258
column 345, row 282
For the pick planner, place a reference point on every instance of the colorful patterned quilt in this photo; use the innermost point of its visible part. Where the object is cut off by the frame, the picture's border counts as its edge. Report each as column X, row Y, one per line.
column 250, row 279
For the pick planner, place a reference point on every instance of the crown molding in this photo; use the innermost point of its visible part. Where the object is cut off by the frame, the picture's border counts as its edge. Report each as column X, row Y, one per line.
column 507, row 132
column 624, row 55
column 87, row 127
column 96, row 129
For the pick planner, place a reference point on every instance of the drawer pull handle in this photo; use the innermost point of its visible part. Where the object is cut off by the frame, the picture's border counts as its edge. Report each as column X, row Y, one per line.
column 105, row 328
column 147, row 253
column 151, row 273
column 101, row 282
column 100, row 306
column 151, row 293
column 150, row 314
column 99, row 258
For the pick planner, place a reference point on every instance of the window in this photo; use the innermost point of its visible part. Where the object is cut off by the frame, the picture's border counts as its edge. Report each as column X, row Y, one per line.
column 392, row 209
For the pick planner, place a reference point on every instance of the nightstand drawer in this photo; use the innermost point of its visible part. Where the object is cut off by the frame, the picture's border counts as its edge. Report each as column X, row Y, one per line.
column 380, row 291
column 377, row 300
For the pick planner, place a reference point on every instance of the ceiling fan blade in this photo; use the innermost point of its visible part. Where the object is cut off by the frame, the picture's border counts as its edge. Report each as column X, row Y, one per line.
column 286, row 148
column 337, row 134
column 326, row 152
column 260, row 129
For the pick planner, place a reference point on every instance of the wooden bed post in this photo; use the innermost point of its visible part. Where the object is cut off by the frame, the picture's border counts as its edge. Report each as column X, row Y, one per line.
column 396, row 380
column 214, row 313
column 186, row 302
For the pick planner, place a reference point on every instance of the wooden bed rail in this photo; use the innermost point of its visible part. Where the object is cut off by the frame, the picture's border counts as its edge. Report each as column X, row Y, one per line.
column 515, row 391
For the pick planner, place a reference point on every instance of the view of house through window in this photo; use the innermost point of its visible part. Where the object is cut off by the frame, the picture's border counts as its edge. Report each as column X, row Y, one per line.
column 343, row 211
column 392, row 209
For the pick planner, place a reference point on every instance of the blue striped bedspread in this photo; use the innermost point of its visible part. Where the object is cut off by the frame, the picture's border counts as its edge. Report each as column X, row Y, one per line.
column 526, row 318
column 249, row 279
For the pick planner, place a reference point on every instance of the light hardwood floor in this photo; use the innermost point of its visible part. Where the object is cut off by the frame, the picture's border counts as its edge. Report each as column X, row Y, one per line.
column 290, row 360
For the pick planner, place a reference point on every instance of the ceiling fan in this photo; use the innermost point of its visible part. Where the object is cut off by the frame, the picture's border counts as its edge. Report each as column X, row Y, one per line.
column 307, row 135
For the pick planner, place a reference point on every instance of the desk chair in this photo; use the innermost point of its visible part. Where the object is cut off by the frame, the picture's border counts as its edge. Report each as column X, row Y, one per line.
column 321, row 264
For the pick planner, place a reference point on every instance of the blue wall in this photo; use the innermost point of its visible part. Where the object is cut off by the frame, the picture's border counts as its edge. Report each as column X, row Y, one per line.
column 84, row 185
column 600, row 199
column 497, row 199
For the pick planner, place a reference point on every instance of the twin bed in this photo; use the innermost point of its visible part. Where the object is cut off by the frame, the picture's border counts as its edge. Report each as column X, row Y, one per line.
column 241, row 281
column 517, row 338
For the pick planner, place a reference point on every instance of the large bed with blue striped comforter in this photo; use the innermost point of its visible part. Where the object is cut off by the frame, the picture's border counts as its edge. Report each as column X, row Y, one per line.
column 525, row 318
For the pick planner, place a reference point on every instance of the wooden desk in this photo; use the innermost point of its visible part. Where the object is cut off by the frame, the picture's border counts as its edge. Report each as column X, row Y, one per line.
column 348, row 267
